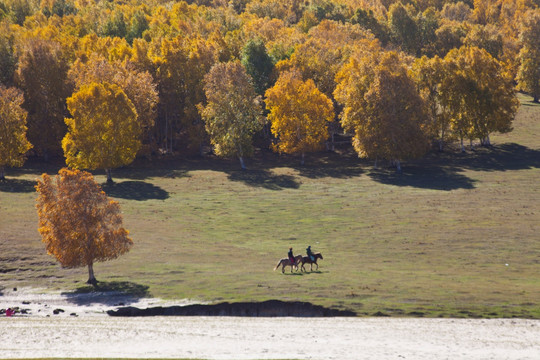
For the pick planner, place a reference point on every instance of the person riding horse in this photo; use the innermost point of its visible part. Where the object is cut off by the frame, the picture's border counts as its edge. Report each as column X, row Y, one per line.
column 291, row 256
column 310, row 254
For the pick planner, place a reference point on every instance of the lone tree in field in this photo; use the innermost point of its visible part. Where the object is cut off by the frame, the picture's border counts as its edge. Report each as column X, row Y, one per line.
column 13, row 142
column 78, row 222
column 104, row 132
column 233, row 112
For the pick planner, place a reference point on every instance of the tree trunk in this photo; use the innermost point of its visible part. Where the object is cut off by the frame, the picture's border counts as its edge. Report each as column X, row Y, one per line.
column 242, row 162
column 91, row 278
column 375, row 166
column 398, row 166
column 462, row 146
column 109, row 177
column 303, row 159
column 241, row 157
column 2, row 174
column 471, row 144
column 535, row 98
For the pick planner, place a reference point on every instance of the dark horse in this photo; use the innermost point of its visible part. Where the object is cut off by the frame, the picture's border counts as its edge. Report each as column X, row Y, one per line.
column 307, row 260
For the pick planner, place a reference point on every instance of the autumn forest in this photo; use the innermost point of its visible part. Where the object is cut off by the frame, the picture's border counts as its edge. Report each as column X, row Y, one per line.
column 102, row 82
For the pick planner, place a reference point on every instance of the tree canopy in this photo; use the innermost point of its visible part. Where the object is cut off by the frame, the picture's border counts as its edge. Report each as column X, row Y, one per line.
column 233, row 113
column 299, row 114
column 160, row 54
column 78, row 223
column 13, row 142
column 104, row 132
column 382, row 107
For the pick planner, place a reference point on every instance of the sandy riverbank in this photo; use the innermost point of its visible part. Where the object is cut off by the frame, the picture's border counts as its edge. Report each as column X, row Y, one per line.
column 94, row 334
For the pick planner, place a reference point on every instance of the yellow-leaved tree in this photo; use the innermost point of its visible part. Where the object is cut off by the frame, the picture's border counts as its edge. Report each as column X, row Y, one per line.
column 13, row 142
column 429, row 75
column 78, row 223
column 382, row 107
column 299, row 114
column 138, row 86
column 478, row 94
column 104, row 132
column 528, row 76
column 233, row 112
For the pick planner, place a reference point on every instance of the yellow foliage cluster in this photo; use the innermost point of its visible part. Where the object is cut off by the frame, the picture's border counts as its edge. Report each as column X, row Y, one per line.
column 159, row 55
column 299, row 114
column 13, row 142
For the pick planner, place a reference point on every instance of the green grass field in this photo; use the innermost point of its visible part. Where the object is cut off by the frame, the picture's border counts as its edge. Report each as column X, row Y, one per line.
column 454, row 235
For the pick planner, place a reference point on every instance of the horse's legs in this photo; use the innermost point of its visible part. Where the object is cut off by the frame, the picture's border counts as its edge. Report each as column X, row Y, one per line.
column 283, row 268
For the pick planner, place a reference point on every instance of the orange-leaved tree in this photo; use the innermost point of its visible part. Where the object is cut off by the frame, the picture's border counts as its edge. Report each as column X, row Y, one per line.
column 78, row 223
column 13, row 142
column 299, row 114
column 104, row 132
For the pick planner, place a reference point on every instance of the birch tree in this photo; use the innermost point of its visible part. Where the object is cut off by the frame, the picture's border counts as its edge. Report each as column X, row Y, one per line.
column 299, row 114
column 13, row 142
column 233, row 112
column 382, row 108
column 104, row 132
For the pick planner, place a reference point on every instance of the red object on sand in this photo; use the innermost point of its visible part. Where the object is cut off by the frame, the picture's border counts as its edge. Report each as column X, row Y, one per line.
column 10, row 312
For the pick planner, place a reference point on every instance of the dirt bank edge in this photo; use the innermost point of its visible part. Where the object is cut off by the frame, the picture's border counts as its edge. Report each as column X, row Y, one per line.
column 269, row 308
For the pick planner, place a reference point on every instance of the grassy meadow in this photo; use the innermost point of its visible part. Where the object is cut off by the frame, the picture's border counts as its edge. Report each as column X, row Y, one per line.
column 454, row 235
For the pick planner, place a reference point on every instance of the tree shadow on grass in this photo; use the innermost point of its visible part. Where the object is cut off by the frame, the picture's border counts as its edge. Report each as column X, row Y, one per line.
column 109, row 293
column 332, row 165
column 265, row 179
column 17, row 186
column 504, row 157
column 135, row 190
column 436, row 178
column 442, row 171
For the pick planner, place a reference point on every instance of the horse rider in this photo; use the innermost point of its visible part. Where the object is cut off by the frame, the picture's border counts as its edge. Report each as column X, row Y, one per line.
column 310, row 254
column 291, row 256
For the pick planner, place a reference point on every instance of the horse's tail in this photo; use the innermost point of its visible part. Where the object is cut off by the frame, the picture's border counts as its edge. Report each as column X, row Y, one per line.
column 279, row 263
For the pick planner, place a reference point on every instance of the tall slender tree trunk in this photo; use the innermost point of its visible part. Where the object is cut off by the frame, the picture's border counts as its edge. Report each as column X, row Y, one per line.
column 462, row 146
column 241, row 157
column 91, row 278
column 398, row 166
column 2, row 174
column 303, row 158
column 242, row 162
column 109, row 176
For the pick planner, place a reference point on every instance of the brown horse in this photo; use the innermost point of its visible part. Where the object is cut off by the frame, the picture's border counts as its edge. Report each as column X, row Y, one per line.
column 307, row 260
column 286, row 262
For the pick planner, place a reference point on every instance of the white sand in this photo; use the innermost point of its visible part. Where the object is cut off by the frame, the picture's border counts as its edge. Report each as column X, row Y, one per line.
column 94, row 334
